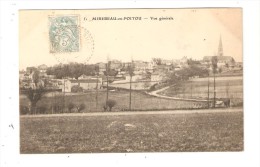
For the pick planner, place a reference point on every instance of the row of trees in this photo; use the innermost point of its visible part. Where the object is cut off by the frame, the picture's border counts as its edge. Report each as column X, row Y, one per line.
column 73, row 70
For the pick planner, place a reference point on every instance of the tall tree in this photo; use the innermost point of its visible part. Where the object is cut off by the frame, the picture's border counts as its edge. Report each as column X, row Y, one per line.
column 35, row 93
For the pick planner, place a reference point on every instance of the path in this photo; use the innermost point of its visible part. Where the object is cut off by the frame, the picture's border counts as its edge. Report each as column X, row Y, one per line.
column 198, row 111
column 155, row 93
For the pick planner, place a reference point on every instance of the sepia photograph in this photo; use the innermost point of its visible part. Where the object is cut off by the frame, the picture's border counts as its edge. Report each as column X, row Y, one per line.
column 131, row 80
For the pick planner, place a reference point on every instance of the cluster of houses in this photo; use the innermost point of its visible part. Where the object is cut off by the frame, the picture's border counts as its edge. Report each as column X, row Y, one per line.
column 142, row 71
column 153, row 72
column 50, row 81
column 26, row 77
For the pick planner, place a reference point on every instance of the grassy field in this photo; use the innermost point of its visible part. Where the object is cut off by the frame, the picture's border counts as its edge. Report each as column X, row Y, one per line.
column 132, row 133
column 140, row 101
column 140, row 85
column 225, row 88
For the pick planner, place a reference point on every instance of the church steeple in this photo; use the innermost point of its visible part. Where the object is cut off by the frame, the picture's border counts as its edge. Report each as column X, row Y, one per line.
column 220, row 48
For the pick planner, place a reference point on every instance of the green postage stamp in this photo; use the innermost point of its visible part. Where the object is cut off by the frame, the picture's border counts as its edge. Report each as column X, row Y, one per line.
column 64, row 34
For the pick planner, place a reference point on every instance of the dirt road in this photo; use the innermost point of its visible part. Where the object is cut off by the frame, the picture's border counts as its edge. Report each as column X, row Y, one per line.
column 198, row 111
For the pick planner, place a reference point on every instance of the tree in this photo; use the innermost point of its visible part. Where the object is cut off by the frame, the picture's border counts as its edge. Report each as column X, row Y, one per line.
column 73, row 70
column 220, row 70
column 187, row 72
column 76, row 89
column 81, row 107
column 192, row 62
column 112, row 72
column 35, row 94
column 24, row 110
column 176, row 77
column 146, row 85
column 226, row 65
column 153, row 87
column 41, row 109
column 36, row 77
column 71, row 106
column 110, row 104
column 157, row 61
column 105, row 107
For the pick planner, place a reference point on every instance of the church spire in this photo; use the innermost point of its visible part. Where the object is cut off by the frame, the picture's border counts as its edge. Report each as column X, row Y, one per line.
column 220, row 48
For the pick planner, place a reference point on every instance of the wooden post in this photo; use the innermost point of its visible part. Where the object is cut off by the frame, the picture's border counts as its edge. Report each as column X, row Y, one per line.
column 214, row 91
column 130, row 97
column 208, row 89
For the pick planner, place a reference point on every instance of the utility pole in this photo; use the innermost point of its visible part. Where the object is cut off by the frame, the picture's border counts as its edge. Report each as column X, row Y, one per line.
column 208, row 89
column 214, row 91
column 97, row 89
column 63, row 108
column 130, row 97
column 107, row 72
column 54, row 107
column 107, row 84
column 214, row 62
column 52, row 102
column 191, row 88
column 131, row 72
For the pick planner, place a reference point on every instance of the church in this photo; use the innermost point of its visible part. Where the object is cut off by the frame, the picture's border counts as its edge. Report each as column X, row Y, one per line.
column 222, row 60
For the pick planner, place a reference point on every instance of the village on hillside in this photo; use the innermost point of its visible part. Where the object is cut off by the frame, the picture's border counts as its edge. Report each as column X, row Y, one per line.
column 182, row 79
column 153, row 72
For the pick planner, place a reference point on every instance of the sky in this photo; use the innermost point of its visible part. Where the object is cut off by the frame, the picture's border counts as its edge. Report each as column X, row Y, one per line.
column 194, row 33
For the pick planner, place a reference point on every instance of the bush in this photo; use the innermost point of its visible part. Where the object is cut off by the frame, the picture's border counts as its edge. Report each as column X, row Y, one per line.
column 41, row 110
column 105, row 107
column 56, row 108
column 152, row 88
column 110, row 104
column 76, row 89
column 240, row 104
column 71, row 106
column 24, row 110
column 81, row 107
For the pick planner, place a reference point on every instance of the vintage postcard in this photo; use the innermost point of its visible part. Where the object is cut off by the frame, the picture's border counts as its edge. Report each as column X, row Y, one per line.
column 131, row 80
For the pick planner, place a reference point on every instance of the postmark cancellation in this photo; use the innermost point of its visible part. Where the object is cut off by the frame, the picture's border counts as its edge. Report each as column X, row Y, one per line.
column 64, row 34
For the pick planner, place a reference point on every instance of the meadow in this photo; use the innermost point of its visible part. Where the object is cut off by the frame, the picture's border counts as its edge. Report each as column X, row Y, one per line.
column 226, row 87
column 139, row 101
column 132, row 133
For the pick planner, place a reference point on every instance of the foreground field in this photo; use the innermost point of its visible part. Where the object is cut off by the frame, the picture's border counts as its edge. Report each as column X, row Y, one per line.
column 133, row 133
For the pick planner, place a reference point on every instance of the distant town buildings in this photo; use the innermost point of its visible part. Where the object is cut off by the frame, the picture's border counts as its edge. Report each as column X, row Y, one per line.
column 154, row 71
